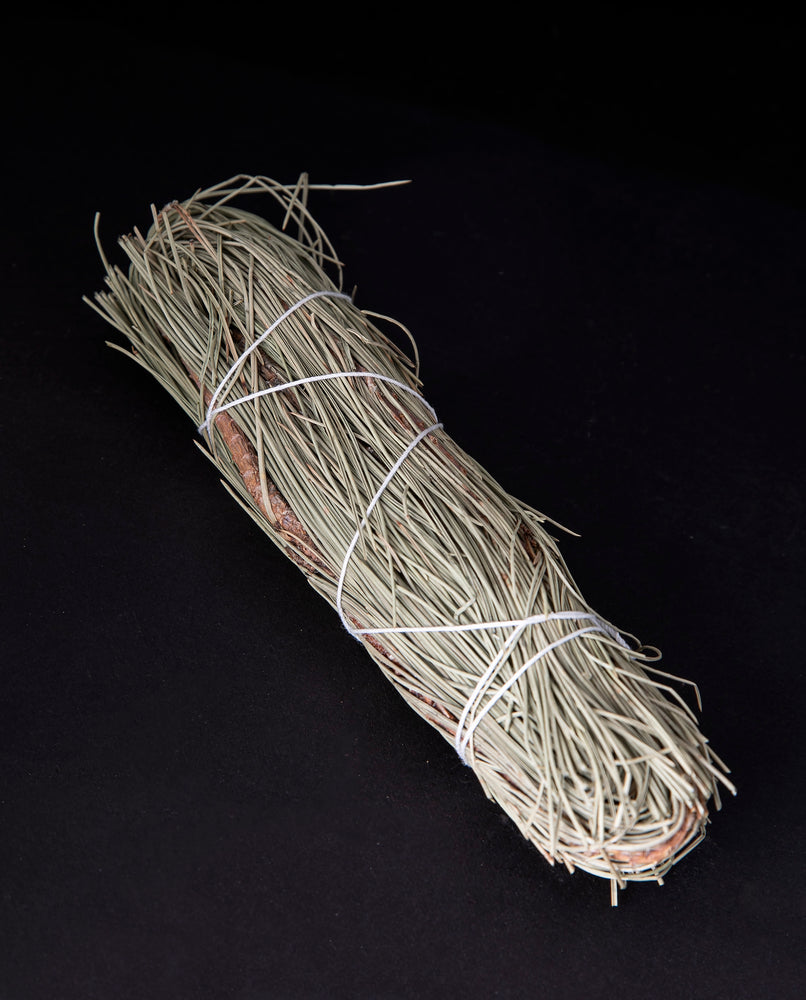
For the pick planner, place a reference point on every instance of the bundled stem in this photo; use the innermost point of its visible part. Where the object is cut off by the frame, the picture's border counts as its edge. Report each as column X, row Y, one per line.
column 571, row 729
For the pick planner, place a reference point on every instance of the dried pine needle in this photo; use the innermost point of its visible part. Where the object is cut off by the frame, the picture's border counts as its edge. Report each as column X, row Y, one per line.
column 565, row 721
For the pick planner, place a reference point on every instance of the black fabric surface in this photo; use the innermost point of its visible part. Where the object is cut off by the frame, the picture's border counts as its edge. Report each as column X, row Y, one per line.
column 206, row 787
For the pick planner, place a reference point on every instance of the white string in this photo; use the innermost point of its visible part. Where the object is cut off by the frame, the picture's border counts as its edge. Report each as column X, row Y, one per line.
column 351, row 547
column 518, row 626
column 212, row 409
column 462, row 743
column 211, row 412
column 475, row 626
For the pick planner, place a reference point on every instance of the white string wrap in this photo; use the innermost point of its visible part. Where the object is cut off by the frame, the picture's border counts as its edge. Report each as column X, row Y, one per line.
column 212, row 409
column 465, row 727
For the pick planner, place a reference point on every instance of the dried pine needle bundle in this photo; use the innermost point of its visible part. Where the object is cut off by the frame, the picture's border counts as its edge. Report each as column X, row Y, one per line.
column 456, row 589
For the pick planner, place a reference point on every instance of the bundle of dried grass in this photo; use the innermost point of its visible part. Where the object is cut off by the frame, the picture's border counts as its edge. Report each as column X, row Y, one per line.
column 317, row 422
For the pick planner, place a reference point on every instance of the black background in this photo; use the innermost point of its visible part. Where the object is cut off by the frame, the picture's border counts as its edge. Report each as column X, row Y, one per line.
column 207, row 789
